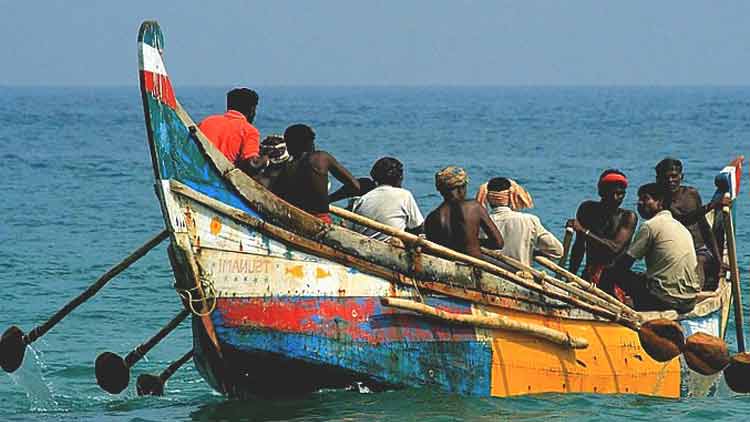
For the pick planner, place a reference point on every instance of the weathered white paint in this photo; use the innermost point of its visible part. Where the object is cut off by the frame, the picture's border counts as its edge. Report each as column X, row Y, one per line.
column 152, row 61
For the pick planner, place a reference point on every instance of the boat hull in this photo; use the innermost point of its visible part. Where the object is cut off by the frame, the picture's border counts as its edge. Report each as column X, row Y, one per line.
column 284, row 303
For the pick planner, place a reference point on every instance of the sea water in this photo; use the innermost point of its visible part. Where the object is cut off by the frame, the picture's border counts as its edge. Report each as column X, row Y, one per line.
column 77, row 196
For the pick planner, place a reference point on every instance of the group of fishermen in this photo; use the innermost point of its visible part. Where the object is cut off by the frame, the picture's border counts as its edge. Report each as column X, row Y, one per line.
column 680, row 249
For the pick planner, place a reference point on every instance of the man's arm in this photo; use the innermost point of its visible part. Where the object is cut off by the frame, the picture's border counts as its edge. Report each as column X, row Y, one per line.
column 341, row 173
column 345, row 191
column 699, row 212
column 622, row 263
column 416, row 230
column 578, row 250
column 622, row 236
column 253, row 165
column 546, row 243
column 494, row 238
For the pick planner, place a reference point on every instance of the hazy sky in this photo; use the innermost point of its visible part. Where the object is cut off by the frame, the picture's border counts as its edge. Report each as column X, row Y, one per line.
column 404, row 42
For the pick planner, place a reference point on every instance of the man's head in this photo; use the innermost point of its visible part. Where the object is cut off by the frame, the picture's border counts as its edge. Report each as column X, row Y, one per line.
column 299, row 139
column 388, row 171
column 669, row 173
column 244, row 100
column 498, row 184
column 611, row 185
column 652, row 198
column 274, row 148
column 451, row 182
column 498, row 192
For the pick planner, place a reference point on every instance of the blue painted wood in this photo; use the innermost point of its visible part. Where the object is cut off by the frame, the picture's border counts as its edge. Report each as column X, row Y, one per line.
column 178, row 157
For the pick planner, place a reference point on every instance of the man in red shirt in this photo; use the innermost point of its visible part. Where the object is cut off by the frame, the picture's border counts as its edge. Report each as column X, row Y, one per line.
column 233, row 133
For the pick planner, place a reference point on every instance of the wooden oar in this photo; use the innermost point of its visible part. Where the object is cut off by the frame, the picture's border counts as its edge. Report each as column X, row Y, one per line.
column 567, row 240
column 661, row 339
column 153, row 385
column 703, row 353
column 13, row 342
column 737, row 373
column 734, row 272
column 113, row 372
column 589, row 292
column 562, row 294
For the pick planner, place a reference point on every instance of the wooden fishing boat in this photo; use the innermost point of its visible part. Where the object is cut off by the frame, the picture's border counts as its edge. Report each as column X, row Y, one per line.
column 283, row 302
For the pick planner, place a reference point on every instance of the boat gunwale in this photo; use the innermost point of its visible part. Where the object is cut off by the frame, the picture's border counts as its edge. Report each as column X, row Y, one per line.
column 550, row 308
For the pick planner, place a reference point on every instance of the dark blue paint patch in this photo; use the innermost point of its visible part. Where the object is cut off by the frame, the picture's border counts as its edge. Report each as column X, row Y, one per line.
column 457, row 367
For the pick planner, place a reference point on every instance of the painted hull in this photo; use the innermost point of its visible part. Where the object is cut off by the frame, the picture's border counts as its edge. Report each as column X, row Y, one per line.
column 285, row 303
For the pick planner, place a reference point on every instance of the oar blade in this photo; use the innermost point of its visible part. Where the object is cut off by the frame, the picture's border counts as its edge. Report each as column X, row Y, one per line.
column 662, row 339
column 112, row 374
column 12, row 349
column 737, row 374
column 706, row 354
column 149, row 385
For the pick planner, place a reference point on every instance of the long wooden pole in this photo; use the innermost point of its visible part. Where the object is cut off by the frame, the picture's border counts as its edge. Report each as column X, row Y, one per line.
column 588, row 286
column 497, row 322
column 567, row 240
column 113, row 372
column 735, row 277
column 153, row 385
column 578, row 296
column 14, row 342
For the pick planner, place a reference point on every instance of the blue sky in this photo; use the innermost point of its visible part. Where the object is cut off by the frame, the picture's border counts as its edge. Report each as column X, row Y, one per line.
column 382, row 42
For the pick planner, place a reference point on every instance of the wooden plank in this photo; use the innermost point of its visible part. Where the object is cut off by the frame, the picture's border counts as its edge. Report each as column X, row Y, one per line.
column 490, row 321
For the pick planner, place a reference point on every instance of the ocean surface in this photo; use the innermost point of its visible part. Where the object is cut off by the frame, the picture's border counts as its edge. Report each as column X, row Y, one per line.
column 77, row 197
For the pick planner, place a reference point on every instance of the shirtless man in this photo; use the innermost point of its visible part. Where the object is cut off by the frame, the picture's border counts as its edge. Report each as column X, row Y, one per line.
column 687, row 208
column 456, row 222
column 603, row 231
column 304, row 183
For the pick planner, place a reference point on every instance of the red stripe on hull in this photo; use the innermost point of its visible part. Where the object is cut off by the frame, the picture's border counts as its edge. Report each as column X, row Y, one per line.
column 358, row 319
column 160, row 87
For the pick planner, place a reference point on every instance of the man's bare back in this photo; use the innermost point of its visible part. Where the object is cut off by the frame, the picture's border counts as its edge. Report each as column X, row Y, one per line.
column 304, row 183
column 456, row 222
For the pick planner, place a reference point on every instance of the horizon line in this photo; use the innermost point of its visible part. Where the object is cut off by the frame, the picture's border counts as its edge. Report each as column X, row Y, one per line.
column 645, row 85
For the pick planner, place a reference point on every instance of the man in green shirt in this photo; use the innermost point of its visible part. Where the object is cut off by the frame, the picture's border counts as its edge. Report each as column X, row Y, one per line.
column 671, row 280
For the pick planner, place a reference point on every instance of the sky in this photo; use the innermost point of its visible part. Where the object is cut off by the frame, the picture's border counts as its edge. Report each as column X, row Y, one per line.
column 436, row 42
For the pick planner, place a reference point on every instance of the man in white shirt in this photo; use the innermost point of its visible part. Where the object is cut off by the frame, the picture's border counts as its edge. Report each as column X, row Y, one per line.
column 389, row 203
column 523, row 233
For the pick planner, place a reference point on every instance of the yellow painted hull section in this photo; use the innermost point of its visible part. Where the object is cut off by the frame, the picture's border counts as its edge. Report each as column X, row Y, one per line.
column 613, row 363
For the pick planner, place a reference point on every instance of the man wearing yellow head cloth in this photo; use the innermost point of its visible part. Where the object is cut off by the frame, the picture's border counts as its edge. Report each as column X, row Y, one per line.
column 523, row 233
column 456, row 222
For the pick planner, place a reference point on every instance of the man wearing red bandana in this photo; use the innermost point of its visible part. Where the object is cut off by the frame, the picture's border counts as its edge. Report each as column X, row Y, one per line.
column 603, row 231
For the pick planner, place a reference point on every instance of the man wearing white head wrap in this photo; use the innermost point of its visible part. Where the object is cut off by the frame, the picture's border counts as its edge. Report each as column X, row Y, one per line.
column 273, row 147
column 523, row 233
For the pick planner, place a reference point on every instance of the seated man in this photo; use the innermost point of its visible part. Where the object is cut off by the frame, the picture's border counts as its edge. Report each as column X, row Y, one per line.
column 304, row 182
column 456, row 222
column 687, row 208
column 274, row 148
column 603, row 231
column 388, row 203
column 522, row 233
column 233, row 133
column 671, row 280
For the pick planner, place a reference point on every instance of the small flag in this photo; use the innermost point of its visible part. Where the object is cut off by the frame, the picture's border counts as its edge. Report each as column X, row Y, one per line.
column 728, row 179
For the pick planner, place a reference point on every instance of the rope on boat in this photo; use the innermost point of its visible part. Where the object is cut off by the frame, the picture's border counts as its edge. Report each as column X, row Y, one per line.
column 192, row 295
